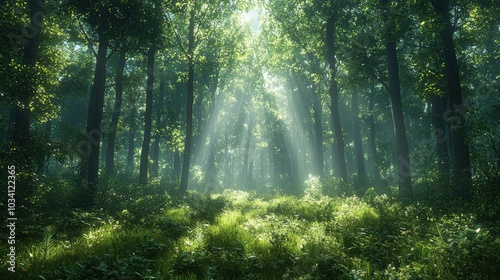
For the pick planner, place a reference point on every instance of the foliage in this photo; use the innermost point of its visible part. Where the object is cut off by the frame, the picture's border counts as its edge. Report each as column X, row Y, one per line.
column 241, row 235
column 268, row 92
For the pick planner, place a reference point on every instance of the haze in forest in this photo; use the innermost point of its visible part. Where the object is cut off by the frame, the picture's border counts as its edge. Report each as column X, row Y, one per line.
column 201, row 139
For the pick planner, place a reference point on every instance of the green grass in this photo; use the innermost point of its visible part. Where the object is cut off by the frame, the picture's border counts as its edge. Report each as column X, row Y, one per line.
column 240, row 235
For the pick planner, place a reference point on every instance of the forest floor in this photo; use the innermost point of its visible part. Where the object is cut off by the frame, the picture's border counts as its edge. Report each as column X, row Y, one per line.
column 144, row 233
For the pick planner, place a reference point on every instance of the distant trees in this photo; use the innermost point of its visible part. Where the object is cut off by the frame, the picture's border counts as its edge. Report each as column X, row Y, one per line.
column 198, row 93
column 126, row 22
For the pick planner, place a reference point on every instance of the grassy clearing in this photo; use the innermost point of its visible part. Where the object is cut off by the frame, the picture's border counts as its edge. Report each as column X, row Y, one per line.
column 238, row 235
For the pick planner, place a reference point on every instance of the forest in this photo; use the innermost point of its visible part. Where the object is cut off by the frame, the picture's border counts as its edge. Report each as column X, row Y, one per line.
column 252, row 139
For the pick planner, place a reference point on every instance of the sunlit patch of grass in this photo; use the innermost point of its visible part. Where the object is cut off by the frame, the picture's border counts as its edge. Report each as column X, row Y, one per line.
column 306, row 207
column 107, row 249
column 179, row 214
column 355, row 211
column 236, row 198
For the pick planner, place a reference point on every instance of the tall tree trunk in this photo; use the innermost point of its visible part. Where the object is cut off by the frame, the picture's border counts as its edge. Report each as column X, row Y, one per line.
column 21, row 124
column 155, row 155
column 110, row 153
column 439, row 123
column 212, row 134
column 318, row 158
column 460, row 149
column 246, row 153
column 131, row 141
column 318, row 132
column 372, row 136
column 358, row 144
column 143, row 168
column 94, row 118
column 338, row 144
column 189, row 105
column 402, row 150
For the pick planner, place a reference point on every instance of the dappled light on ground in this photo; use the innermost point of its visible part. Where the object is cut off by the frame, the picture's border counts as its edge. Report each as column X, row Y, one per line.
column 241, row 235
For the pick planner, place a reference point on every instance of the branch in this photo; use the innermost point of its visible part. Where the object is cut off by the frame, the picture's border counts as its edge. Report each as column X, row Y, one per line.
column 87, row 37
column 112, row 52
column 178, row 37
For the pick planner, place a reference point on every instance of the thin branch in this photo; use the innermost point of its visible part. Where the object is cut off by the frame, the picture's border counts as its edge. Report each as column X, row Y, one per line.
column 91, row 45
column 112, row 52
column 178, row 36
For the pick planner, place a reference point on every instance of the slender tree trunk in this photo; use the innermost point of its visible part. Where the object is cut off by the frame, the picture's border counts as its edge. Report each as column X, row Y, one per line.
column 338, row 144
column 460, row 149
column 143, row 169
column 94, row 118
column 110, row 153
column 21, row 124
column 372, row 136
column 212, row 134
column 189, row 105
column 246, row 153
column 439, row 123
column 197, row 122
column 403, row 154
column 358, row 144
column 318, row 158
column 318, row 132
column 131, row 141
column 155, row 156
column 402, row 150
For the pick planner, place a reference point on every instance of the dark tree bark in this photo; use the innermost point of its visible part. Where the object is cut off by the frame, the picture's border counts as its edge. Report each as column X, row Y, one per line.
column 110, row 153
column 358, row 144
column 402, row 151
column 318, row 159
column 155, row 155
column 460, row 150
column 143, row 168
column 21, row 123
column 338, row 144
column 189, row 106
column 440, row 129
column 94, row 118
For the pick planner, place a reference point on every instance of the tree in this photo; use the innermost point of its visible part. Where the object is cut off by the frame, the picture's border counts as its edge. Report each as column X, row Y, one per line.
column 189, row 101
column 402, row 150
column 460, row 150
column 143, row 168
column 21, row 131
column 358, row 145
column 339, row 154
column 201, row 13
column 110, row 152
column 109, row 22
column 159, row 125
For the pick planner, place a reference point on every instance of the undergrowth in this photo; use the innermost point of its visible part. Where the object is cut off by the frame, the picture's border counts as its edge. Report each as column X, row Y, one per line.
column 144, row 233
